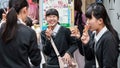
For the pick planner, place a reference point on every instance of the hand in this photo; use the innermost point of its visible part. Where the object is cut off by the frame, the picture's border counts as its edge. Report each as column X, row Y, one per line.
column 3, row 17
column 67, row 58
column 75, row 32
column 4, row 14
column 48, row 32
column 85, row 37
column 35, row 21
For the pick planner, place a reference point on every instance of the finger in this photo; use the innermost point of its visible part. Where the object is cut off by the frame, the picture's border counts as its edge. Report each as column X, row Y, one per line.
column 82, row 38
column 7, row 9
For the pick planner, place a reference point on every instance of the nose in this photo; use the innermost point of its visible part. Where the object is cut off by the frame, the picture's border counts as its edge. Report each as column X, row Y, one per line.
column 87, row 22
column 51, row 17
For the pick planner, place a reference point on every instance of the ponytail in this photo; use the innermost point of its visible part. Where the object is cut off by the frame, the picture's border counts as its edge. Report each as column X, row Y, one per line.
column 10, row 26
column 111, row 29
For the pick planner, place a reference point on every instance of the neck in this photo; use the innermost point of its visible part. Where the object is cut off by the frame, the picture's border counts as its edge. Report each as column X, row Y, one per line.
column 100, row 28
column 21, row 17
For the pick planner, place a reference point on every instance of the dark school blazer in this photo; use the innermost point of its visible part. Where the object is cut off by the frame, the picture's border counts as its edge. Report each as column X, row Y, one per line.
column 106, row 52
column 24, row 45
column 64, row 43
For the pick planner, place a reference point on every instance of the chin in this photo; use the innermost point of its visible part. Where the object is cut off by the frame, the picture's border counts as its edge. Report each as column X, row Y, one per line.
column 91, row 29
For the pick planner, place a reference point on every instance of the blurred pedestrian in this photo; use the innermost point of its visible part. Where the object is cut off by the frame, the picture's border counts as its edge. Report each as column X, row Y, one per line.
column 80, row 21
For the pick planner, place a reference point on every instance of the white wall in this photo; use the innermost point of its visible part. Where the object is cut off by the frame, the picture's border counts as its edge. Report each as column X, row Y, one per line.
column 113, row 9
column 3, row 3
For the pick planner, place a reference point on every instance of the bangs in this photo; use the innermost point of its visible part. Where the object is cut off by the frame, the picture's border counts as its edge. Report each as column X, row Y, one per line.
column 52, row 12
column 89, row 13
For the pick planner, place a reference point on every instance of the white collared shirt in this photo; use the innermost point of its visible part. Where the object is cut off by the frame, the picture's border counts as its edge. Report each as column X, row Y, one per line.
column 99, row 35
column 17, row 22
column 21, row 21
column 55, row 30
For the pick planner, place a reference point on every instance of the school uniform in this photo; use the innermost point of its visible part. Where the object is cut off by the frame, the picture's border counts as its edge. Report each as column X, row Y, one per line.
column 24, row 44
column 63, row 42
column 105, row 47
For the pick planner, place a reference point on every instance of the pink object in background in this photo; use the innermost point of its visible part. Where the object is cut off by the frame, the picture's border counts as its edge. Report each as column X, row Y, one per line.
column 29, row 1
column 33, row 10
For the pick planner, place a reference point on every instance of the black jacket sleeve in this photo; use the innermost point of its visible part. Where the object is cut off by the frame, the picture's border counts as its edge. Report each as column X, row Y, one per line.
column 46, row 44
column 72, row 43
column 34, row 51
column 88, row 49
column 110, row 53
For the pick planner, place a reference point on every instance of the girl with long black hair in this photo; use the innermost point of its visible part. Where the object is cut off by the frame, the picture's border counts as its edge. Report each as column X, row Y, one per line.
column 100, row 47
column 18, row 42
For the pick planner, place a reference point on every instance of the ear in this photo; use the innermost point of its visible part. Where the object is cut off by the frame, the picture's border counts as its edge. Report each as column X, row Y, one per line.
column 25, row 9
column 100, row 21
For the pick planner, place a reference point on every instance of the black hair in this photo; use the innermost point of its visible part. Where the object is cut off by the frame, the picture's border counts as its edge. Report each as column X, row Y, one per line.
column 18, row 4
column 78, row 5
column 11, row 19
column 98, row 11
column 29, row 21
column 78, row 18
column 52, row 11
column 36, row 1
column 1, row 12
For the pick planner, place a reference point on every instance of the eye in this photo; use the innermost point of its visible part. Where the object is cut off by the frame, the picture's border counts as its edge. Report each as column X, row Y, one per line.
column 54, row 16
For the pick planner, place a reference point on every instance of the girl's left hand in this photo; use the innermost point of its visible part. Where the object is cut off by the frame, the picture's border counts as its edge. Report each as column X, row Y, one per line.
column 67, row 58
column 85, row 36
column 75, row 32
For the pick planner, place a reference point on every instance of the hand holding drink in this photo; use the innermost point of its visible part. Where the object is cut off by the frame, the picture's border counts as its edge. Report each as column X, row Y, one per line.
column 85, row 37
column 49, row 32
column 86, row 28
column 75, row 32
